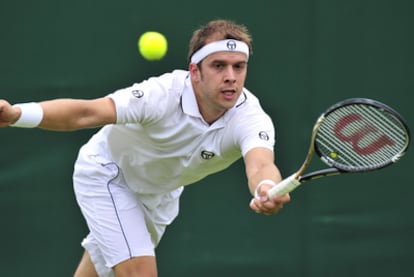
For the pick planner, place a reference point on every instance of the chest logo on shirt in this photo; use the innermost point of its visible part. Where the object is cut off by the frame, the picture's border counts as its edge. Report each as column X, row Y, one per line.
column 207, row 155
column 137, row 93
column 263, row 135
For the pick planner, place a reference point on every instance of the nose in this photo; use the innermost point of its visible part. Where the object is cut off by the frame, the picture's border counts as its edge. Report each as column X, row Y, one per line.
column 230, row 76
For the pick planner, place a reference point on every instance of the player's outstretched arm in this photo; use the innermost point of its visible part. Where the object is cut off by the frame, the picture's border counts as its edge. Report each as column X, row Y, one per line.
column 73, row 114
column 262, row 175
column 59, row 114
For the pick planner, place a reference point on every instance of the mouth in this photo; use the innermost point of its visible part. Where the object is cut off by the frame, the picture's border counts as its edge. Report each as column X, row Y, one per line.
column 229, row 94
column 228, row 91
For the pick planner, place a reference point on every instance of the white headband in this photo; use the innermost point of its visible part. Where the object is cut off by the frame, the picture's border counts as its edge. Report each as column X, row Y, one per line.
column 229, row 45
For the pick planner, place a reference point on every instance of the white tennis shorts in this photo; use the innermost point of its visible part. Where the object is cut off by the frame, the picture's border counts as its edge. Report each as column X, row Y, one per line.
column 120, row 226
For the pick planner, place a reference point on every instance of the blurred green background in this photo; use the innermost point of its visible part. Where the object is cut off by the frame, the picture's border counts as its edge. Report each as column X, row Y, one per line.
column 308, row 54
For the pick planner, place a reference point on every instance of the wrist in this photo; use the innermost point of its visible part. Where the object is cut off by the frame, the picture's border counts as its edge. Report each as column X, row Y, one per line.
column 30, row 117
column 260, row 184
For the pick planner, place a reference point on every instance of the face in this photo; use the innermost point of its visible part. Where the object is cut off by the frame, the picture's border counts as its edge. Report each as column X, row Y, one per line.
column 219, row 82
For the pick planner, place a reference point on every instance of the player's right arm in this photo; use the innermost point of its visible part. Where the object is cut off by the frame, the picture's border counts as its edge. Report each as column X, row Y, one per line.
column 261, row 169
column 65, row 114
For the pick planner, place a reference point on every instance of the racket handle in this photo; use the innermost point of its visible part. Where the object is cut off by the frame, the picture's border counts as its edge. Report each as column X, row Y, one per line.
column 285, row 186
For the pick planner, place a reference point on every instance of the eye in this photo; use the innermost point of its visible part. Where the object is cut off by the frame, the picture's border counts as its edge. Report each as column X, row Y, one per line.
column 240, row 66
column 218, row 65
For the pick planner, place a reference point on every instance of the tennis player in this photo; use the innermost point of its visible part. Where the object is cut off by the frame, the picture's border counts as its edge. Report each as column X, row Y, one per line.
column 158, row 136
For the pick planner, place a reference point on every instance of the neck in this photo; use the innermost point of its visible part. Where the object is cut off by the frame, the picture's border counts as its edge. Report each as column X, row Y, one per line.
column 209, row 114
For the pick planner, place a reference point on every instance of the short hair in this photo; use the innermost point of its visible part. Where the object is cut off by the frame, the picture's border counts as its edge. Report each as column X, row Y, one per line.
column 219, row 29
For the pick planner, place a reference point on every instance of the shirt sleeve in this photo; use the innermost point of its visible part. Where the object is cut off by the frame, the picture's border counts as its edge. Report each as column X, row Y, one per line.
column 254, row 128
column 142, row 102
column 260, row 133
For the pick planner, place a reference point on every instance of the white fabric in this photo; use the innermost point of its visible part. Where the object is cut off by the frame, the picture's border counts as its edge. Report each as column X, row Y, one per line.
column 30, row 117
column 229, row 45
column 120, row 226
column 261, row 183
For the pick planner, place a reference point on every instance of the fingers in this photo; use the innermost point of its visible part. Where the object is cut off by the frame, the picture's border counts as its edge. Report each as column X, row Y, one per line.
column 282, row 198
column 266, row 208
column 269, row 207
column 261, row 203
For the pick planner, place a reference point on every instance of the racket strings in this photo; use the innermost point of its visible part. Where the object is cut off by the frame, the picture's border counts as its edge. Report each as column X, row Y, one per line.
column 384, row 125
column 384, row 122
column 361, row 144
column 360, row 137
column 345, row 157
column 369, row 136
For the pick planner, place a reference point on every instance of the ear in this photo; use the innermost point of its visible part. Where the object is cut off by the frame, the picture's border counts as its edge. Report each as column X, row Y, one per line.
column 194, row 72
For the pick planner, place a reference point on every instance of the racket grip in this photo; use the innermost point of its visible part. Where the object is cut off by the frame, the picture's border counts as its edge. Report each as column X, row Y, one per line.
column 285, row 186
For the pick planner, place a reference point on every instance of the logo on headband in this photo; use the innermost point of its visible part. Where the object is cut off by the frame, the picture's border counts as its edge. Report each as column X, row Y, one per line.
column 231, row 45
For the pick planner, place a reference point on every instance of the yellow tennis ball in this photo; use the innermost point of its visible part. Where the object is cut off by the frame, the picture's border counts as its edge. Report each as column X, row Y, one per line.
column 152, row 45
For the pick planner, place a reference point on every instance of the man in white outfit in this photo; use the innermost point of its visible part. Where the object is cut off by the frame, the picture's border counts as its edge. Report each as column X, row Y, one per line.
column 158, row 136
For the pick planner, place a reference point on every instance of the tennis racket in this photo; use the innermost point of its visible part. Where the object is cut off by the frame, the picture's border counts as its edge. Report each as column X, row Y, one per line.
column 355, row 135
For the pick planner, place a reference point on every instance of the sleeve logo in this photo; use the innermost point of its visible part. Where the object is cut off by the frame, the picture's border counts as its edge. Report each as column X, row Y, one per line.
column 137, row 93
column 263, row 135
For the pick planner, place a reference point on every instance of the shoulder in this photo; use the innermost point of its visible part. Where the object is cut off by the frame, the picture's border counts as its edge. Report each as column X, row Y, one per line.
column 166, row 80
column 252, row 126
column 149, row 99
column 248, row 114
column 156, row 85
column 177, row 74
column 249, row 104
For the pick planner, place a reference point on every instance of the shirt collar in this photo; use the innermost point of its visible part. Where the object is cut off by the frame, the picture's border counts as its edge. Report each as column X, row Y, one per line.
column 189, row 102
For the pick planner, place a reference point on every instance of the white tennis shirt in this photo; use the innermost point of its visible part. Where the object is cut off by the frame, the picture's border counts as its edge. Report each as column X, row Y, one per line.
column 161, row 142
